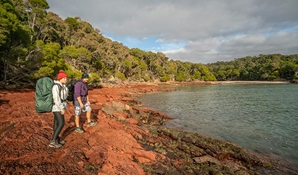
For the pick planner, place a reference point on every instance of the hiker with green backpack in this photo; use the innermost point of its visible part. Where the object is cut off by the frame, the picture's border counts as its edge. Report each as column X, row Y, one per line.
column 60, row 93
column 51, row 96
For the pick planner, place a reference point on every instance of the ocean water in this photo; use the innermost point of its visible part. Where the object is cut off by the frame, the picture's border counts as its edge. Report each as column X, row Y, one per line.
column 260, row 117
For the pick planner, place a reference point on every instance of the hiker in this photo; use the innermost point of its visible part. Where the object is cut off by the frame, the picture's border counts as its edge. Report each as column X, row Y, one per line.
column 60, row 92
column 82, row 103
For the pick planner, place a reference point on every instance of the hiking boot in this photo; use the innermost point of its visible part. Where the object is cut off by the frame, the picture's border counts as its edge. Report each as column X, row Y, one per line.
column 91, row 124
column 61, row 142
column 79, row 130
column 54, row 144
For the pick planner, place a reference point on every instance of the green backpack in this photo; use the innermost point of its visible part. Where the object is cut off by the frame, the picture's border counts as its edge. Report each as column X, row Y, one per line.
column 43, row 94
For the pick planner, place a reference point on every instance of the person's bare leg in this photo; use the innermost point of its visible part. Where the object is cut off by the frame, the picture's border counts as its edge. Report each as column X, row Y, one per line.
column 77, row 121
column 88, row 115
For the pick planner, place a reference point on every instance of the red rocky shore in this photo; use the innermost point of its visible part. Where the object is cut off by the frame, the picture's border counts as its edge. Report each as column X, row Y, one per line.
column 127, row 140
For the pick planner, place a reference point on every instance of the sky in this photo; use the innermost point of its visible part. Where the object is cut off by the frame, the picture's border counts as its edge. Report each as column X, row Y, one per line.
column 198, row 31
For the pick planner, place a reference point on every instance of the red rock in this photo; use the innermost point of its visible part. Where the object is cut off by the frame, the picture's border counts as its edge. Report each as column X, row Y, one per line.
column 107, row 148
column 133, row 121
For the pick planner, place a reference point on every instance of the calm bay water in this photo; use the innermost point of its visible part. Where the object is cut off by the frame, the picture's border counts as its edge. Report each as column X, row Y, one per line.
column 260, row 117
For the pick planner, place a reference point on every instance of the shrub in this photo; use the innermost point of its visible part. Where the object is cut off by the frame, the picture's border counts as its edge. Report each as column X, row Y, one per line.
column 120, row 75
column 94, row 77
column 165, row 78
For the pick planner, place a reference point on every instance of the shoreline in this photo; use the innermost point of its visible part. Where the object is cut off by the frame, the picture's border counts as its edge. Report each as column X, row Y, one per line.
column 226, row 82
column 128, row 140
column 283, row 166
column 175, row 83
column 252, row 82
column 275, row 159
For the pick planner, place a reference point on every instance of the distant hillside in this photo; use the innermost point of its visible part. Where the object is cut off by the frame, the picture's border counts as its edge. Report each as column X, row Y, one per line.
column 36, row 43
column 263, row 67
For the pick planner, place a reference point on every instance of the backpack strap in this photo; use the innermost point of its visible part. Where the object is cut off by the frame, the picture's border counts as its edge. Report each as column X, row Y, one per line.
column 60, row 89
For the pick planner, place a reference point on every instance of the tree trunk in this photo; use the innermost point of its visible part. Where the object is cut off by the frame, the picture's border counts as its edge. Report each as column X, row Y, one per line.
column 4, row 65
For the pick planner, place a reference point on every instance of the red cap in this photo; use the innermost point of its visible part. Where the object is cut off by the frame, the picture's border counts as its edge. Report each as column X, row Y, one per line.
column 61, row 75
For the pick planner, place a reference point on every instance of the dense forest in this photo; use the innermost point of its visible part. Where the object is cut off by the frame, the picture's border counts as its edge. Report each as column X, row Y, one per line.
column 262, row 67
column 35, row 43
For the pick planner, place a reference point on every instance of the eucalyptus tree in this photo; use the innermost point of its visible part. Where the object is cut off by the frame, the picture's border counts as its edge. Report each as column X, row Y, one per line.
column 36, row 12
column 14, row 40
column 56, row 30
column 79, row 58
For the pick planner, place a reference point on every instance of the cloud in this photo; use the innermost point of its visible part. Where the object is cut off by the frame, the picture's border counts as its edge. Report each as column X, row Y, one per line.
column 193, row 30
column 237, row 46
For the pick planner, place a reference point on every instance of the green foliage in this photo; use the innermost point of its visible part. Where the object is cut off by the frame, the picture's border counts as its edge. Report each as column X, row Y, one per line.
column 80, row 58
column 72, row 22
column 180, row 77
column 12, row 32
column 44, row 71
column 165, row 78
column 263, row 67
column 120, row 76
column 36, row 17
column 8, row 22
column 94, row 78
column 288, row 70
column 71, row 72
column 50, row 51
column 146, row 77
column 142, row 65
column 69, row 52
column 39, row 4
column 49, row 61
column 196, row 75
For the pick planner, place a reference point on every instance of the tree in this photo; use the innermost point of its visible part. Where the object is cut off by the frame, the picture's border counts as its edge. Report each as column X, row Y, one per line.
column 56, row 30
column 80, row 58
column 36, row 16
column 288, row 70
column 49, row 60
column 14, row 38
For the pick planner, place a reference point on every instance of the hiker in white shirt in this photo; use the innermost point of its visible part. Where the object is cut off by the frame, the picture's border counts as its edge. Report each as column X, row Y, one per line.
column 60, row 93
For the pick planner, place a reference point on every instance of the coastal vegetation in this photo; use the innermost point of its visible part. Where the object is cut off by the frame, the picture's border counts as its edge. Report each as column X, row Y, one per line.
column 35, row 42
column 262, row 67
